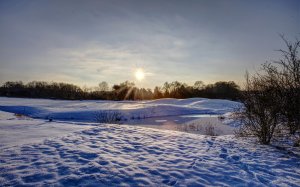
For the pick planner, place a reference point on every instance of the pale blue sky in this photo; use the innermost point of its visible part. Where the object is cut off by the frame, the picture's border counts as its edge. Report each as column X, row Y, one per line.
column 86, row 42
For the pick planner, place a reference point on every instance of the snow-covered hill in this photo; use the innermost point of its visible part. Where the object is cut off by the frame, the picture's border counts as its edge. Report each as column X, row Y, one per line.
column 36, row 152
column 85, row 110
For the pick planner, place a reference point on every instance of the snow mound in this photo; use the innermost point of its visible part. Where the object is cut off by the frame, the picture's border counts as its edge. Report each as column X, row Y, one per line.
column 86, row 110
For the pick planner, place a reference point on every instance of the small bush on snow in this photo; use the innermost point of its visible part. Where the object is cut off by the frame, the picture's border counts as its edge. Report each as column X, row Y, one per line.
column 109, row 116
column 210, row 130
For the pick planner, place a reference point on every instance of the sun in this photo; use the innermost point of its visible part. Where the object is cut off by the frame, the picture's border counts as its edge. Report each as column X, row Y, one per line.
column 139, row 74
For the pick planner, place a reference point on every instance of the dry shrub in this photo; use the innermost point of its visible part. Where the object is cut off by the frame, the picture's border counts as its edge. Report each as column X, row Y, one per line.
column 108, row 116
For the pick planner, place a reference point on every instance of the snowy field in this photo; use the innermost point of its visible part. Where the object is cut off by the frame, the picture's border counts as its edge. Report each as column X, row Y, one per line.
column 86, row 110
column 73, row 150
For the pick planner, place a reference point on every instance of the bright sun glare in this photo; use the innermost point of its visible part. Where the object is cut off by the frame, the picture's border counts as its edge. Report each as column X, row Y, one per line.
column 139, row 74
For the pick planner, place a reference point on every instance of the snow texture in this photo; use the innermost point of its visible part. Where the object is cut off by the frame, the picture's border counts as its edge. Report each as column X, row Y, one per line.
column 86, row 110
column 114, row 155
column 39, row 152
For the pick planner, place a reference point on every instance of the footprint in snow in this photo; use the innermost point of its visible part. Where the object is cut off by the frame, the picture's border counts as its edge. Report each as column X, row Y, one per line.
column 235, row 157
column 87, row 155
column 223, row 150
column 223, row 155
column 103, row 162
column 210, row 142
column 169, row 182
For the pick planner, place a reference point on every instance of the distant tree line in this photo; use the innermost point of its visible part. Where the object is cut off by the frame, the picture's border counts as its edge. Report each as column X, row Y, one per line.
column 123, row 91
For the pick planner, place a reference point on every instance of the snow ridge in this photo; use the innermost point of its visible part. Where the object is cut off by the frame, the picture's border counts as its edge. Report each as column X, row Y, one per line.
column 85, row 110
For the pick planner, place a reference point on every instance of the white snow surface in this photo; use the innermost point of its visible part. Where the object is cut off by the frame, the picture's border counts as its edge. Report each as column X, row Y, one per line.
column 17, row 130
column 86, row 110
column 36, row 152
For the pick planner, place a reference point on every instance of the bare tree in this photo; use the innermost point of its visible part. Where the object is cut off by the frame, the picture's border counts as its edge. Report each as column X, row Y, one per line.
column 103, row 86
column 290, row 77
column 259, row 114
column 285, row 76
column 272, row 96
column 199, row 85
